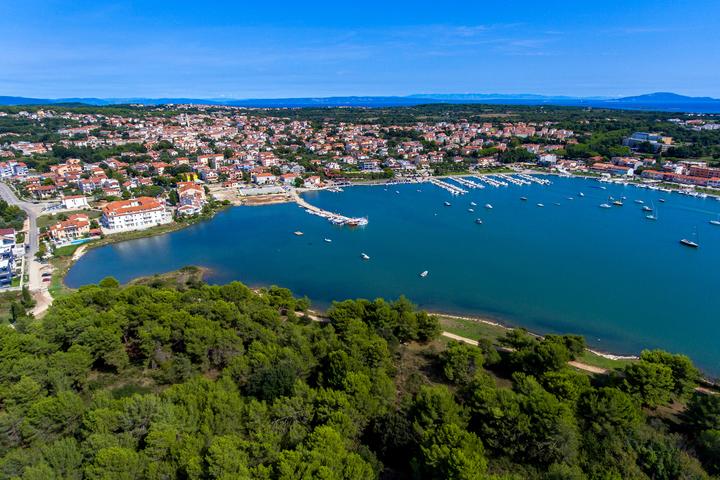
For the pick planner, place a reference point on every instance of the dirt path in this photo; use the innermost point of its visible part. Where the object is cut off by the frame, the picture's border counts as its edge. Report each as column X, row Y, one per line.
column 43, row 300
column 576, row 364
column 459, row 338
column 587, row 368
column 317, row 317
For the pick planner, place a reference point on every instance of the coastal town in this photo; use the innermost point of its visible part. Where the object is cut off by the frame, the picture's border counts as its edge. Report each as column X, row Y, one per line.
column 359, row 241
column 93, row 175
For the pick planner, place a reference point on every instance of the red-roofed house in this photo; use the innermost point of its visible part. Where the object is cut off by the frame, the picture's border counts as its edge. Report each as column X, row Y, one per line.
column 134, row 214
column 76, row 226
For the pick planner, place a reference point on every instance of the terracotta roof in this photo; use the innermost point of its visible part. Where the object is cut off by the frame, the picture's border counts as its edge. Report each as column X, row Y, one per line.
column 128, row 207
column 78, row 220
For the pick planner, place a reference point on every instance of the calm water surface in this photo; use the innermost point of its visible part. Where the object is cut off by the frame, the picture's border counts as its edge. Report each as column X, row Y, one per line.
column 610, row 274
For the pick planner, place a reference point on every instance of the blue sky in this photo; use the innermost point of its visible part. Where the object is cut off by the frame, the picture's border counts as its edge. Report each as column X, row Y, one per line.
column 265, row 49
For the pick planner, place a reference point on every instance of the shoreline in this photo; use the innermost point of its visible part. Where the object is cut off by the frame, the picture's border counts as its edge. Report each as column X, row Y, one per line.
column 483, row 320
column 480, row 318
column 62, row 265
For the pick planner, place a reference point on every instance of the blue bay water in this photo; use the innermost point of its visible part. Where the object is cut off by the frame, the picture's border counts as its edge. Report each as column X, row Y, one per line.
column 610, row 274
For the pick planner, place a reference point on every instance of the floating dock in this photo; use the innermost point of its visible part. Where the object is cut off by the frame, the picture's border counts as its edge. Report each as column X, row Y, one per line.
column 530, row 178
column 467, row 183
column 490, row 181
column 453, row 189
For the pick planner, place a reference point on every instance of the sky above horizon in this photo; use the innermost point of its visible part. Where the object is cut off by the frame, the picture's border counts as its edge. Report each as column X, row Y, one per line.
column 221, row 49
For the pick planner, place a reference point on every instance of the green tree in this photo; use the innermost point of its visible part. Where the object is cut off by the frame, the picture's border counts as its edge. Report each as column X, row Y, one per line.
column 227, row 459
column 451, row 453
column 607, row 412
column 684, row 374
column 324, row 455
column 461, row 362
column 116, row 463
column 26, row 299
column 651, row 383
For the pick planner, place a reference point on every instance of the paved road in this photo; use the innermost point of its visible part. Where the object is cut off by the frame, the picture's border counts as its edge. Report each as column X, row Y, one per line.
column 35, row 283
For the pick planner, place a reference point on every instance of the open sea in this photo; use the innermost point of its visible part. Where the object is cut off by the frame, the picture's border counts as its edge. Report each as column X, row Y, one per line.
column 623, row 281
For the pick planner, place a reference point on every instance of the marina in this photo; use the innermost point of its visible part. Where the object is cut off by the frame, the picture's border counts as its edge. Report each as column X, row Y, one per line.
column 516, row 265
column 490, row 181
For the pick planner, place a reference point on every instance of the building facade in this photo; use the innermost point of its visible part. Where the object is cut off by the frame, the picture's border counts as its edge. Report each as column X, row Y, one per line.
column 134, row 214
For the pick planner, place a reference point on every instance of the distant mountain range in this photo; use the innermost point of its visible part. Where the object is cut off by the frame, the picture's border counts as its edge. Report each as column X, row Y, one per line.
column 661, row 101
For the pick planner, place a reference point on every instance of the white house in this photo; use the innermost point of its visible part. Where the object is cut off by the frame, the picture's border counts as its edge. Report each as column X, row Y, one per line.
column 134, row 214
column 75, row 202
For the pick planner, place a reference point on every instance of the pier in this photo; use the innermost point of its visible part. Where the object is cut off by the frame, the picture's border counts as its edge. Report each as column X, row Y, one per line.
column 467, row 183
column 530, row 178
column 490, row 181
column 513, row 180
column 453, row 189
column 334, row 218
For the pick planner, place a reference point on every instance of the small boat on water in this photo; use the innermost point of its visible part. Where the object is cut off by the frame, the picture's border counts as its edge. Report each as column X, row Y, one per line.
column 397, row 192
column 661, row 200
column 581, row 194
column 298, row 233
column 691, row 243
column 447, row 204
column 524, row 199
column 618, row 203
column 424, row 274
column 540, row 205
column 365, row 256
column 488, row 206
column 653, row 215
column 571, row 198
column 478, row 221
column 605, row 205
column 639, row 202
column 471, row 209
column 715, row 222
column 327, row 240
column 473, row 204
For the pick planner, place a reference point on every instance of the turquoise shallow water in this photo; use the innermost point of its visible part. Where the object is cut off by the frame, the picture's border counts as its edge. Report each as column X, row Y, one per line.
column 610, row 274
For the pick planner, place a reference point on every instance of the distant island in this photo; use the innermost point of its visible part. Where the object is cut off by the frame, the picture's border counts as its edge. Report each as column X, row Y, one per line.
column 661, row 101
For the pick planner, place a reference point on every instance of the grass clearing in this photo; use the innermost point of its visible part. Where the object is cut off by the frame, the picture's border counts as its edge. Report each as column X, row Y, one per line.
column 596, row 360
column 475, row 329
column 61, row 265
column 66, row 251
column 471, row 328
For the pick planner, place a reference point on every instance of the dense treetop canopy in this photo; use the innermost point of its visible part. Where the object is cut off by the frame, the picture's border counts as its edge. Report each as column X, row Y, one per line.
column 222, row 382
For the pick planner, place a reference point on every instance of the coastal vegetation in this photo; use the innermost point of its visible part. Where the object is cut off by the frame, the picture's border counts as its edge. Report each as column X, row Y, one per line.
column 11, row 216
column 172, row 378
